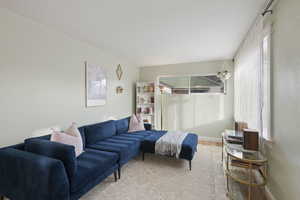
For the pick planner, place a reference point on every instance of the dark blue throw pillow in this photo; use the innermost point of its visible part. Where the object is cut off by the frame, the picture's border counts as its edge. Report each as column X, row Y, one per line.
column 122, row 125
column 59, row 151
column 97, row 132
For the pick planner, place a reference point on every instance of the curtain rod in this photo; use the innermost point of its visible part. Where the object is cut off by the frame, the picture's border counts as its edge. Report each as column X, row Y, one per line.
column 267, row 9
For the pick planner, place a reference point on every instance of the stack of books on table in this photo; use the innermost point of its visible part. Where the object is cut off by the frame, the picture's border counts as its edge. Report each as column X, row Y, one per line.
column 234, row 137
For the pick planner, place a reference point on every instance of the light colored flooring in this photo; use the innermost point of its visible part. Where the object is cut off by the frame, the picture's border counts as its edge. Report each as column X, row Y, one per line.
column 162, row 178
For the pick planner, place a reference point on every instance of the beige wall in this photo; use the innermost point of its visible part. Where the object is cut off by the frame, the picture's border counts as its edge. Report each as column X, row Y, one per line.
column 205, row 114
column 42, row 79
column 284, row 154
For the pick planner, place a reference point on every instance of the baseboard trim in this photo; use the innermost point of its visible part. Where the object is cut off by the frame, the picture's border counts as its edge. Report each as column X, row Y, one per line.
column 210, row 141
column 269, row 194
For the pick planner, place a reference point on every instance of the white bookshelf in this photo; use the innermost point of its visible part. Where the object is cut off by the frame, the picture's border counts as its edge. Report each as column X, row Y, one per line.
column 145, row 101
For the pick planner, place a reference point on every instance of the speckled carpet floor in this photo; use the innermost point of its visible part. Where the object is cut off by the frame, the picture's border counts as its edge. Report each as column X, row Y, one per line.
column 162, row 178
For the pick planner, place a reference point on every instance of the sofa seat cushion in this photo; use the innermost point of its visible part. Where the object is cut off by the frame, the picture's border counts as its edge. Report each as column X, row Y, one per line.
column 140, row 138
column 122, row 137
column 129, row 143
column 91, row 164
column 140, row 134
column 97, row 132
column 126, row 149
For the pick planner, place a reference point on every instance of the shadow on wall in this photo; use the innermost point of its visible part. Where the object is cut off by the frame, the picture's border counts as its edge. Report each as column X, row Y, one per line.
column 287, row 171
column 205, row 114
column 213, row 129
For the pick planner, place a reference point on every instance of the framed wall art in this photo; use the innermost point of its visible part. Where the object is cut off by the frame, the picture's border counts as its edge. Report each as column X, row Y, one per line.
column 96, row 85
column 119, row 72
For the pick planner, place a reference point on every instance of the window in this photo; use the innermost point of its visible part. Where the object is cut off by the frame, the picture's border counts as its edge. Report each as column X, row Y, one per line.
column 192, row 84
column 175, row 85
column 252, row 84
column 206, row 84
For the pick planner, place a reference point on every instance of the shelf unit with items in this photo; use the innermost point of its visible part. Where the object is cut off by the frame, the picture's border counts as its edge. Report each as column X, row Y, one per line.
column 145, row 101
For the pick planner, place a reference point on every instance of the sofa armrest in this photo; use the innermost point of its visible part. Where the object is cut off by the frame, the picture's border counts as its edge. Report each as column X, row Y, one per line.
column 28, row 176
column 148, row 127
column 55, row 150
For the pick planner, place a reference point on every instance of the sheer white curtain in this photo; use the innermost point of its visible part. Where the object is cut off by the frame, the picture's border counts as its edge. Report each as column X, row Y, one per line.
column 248, row 77
column 252, row 82
column 266, row 80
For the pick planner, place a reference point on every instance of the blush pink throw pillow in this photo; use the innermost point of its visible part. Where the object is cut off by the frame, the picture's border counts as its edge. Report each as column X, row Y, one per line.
column 136, row 124
column 70, row 137
column 73, row 131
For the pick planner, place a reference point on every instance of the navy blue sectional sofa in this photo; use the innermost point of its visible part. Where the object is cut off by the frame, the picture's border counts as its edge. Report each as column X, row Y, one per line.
column 40, row 169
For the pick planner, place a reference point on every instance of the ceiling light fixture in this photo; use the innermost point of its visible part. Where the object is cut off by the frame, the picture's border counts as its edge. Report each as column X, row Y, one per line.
column 224, row 75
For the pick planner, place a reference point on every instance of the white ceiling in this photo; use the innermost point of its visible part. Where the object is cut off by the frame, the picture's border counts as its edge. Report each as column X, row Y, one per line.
column 149, row 32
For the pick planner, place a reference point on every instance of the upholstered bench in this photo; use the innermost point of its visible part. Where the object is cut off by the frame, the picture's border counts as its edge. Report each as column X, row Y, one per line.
column 188, row 149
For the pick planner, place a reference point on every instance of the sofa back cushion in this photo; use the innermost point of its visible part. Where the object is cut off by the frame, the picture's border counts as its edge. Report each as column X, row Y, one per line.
column 19, row 146
column 122, row 125
column 97, row 132
column 62, row 152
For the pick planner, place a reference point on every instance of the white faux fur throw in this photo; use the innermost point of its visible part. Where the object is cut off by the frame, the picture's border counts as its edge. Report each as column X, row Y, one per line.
column 170, row 143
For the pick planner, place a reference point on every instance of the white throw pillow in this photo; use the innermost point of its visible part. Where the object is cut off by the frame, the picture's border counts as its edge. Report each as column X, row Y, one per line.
column 136, row 124
column 64, row 138
column 73, row 131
